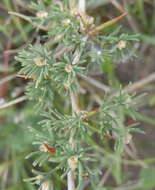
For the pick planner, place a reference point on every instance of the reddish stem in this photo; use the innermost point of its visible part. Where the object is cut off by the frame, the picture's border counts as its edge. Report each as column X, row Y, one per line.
column 6, row 56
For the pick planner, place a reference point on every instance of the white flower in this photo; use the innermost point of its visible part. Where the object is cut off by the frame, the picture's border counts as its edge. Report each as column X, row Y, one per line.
column 66, row 22
column 42, row 14
column 68, row 68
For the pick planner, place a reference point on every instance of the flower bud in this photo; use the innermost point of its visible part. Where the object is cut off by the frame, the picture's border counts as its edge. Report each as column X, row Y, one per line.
column 73, row 162
column 66, row 85
column 43, row 148
column 82, row 113
column 39, row 62
column 127, row 138
column 66, row 22
column 121, row 45
column 45, row 185
column 39, row 177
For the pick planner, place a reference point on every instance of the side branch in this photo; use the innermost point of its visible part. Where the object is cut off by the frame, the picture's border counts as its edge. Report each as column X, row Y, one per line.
column 16, row 101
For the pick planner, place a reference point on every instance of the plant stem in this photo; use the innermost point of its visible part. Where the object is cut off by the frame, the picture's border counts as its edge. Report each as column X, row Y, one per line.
column 150, row 78
column 16, row 101
column 96, row 83
column 70, row 180
column 130, row 18
column 72, row 4
column 105, row 177
column 108, row 23
column 27, row 19
column 118, row 5
column 7, row 78
column 133, row 156
column 70, row 175
column 75, row 107
column 82, row 5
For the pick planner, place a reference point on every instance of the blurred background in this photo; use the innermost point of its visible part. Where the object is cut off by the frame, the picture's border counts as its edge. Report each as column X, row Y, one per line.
column 16, row 114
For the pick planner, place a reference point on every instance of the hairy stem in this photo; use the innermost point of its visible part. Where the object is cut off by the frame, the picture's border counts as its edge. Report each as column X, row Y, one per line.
column 70, row 175
column 82, row 5
column 70, row 180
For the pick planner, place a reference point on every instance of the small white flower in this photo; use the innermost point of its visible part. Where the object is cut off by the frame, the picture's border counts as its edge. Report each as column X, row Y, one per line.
column 68, row 68
column 66, row 22
column 42, row 14
column 89, row 20
column 75, row 11
column 121, row 45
